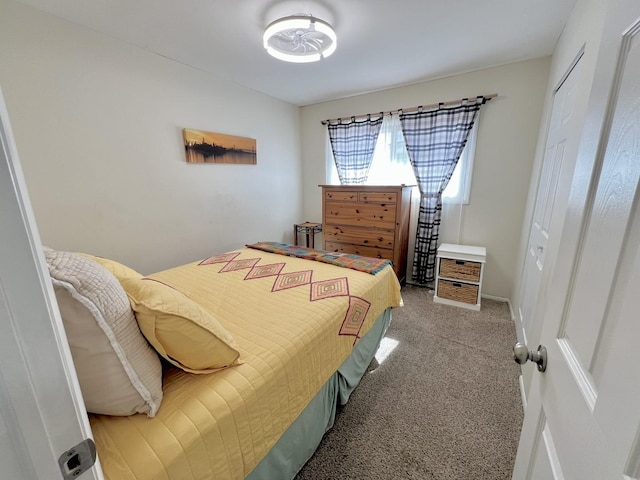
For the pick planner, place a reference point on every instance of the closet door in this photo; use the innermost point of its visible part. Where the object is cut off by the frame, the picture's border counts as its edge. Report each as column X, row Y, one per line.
column 553, row 192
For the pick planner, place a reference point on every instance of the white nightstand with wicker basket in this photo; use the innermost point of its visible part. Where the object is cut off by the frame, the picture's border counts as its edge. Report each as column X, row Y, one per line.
column 459, row 275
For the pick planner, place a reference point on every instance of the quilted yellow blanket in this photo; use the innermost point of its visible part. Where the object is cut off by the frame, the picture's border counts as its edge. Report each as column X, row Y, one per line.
column 295, row 321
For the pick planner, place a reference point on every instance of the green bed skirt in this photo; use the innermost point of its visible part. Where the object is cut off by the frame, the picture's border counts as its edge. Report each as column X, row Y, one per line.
column 301, row 439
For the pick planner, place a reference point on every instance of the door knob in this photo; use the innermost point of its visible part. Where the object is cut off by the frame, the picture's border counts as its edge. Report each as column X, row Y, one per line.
column 521, row 354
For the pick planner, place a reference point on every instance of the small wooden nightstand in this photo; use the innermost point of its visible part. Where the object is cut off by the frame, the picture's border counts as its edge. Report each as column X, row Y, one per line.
column 459, row 279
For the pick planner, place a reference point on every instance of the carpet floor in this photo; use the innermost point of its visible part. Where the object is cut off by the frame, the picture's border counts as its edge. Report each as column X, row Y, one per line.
column 444, row 404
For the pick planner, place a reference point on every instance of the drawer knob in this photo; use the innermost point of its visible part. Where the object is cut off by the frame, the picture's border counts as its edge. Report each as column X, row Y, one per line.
column 459, row 262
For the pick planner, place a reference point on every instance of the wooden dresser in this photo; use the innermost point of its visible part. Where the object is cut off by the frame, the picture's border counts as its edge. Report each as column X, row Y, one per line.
column 372, row 221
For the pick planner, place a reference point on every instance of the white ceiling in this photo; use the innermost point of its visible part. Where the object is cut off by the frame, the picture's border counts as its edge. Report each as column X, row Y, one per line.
column 381, row 43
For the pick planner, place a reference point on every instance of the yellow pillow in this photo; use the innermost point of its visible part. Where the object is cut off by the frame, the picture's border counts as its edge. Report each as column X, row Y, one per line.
column 119, row 270
column 180, row 330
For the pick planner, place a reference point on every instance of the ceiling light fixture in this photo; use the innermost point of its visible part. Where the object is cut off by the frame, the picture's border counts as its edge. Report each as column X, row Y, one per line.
column 299, row 39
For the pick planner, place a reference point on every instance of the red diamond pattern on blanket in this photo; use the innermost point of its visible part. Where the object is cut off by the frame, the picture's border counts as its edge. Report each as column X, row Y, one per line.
column 239, row 265
column 336, row 287
column 291, row 280
column 262, row 271
column 356, row 313
column 222, row 258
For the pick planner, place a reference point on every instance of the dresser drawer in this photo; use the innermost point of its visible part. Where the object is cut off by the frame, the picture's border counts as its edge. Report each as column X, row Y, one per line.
column 378, row 197
column 458, row 291
column 341, row 195
column 360, row 214
column 359, row 250
column 460, row 269
column 359, row 236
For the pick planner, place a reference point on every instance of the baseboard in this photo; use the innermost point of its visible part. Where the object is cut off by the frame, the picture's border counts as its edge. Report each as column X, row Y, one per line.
column 501, row 299
column 523, row 394
column 493, row 297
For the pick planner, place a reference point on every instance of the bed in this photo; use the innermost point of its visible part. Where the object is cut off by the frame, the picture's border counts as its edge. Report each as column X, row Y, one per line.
column 301, row 327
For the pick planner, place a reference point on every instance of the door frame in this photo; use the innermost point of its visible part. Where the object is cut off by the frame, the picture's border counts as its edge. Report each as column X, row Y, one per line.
column 41, row 403
column 594, row 141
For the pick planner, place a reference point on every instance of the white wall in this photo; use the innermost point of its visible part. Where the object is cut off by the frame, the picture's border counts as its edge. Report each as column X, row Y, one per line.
column 98, row 124
column 507, row 135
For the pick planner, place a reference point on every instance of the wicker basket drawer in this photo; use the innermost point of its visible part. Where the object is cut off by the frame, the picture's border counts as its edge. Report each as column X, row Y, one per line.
column 460, row 269
column 458, row 291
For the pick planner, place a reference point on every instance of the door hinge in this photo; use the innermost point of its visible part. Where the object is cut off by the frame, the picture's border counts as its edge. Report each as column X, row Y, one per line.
column 77, row 460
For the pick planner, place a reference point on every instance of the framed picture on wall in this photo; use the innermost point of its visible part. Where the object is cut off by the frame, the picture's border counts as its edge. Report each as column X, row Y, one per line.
column 208, row 147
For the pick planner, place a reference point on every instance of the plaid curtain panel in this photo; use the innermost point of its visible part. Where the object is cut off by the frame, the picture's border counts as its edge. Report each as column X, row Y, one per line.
column 435, row 140
column 353, row 144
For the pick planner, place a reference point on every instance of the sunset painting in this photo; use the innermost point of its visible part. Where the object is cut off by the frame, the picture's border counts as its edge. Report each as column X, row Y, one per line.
column 208, row 147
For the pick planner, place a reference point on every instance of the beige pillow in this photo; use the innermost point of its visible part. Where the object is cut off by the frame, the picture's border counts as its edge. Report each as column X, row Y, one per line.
column 119, row 270
column 180, row 329
column 119, row 373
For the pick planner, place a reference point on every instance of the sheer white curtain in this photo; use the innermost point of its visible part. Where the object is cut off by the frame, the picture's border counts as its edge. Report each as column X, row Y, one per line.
column 390, row 164
column 459, row 186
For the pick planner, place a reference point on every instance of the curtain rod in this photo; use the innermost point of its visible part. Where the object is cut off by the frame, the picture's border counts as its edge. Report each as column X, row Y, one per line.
column 412, row 109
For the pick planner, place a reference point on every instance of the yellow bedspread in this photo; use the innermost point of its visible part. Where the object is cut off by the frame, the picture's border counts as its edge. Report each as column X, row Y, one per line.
column 295, row 322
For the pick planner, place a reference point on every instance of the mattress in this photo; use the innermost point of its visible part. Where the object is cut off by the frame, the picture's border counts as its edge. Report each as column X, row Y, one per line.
column 295, row 322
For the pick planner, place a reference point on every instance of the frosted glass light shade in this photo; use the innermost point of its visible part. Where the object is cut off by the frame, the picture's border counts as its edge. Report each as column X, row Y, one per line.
column 299, row 39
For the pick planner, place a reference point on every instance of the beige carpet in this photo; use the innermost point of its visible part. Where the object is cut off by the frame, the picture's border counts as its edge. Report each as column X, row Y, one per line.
column 445, row 404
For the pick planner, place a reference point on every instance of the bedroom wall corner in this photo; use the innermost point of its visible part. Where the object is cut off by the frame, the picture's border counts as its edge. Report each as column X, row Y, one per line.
column 98, row 124
column 507, row 135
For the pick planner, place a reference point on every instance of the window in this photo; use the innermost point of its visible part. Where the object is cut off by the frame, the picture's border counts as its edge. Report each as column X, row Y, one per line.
column 391, row 165
column 459, row 186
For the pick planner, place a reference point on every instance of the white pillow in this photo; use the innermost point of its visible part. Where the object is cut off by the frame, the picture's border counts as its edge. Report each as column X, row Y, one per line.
column 118, row 371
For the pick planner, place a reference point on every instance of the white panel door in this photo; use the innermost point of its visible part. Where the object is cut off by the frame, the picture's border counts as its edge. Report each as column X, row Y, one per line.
column 583, row 417
column 551, row 201
column 42, row 414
